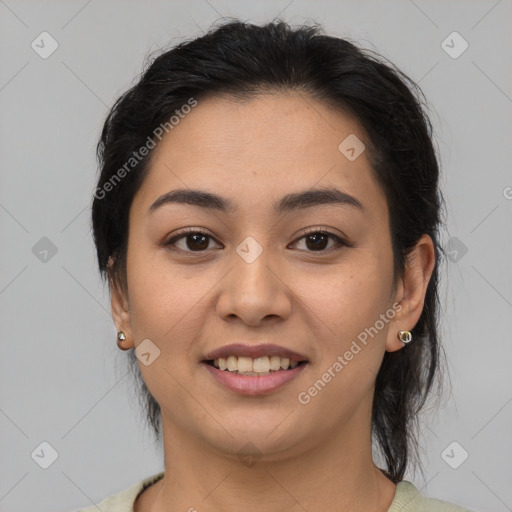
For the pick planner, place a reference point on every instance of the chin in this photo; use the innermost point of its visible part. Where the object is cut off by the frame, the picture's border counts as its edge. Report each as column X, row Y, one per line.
column 263, row 442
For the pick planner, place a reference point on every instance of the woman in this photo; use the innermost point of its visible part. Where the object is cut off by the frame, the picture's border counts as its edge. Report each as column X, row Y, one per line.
column 267, row 217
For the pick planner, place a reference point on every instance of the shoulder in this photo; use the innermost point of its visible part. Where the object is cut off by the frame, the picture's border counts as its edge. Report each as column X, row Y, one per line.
column 123, row 501
column 409, row 499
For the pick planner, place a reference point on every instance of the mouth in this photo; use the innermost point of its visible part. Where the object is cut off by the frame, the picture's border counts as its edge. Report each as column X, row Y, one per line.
column 257, row 367
column 254, row 370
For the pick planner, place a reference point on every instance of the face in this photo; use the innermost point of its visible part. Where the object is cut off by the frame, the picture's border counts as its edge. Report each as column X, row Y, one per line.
column 311, row 276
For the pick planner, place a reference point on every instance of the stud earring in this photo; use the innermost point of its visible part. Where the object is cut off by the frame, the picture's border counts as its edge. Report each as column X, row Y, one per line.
column 405, row 337
column 120, row 338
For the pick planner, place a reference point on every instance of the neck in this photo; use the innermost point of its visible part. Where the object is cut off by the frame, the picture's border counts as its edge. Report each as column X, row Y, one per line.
column 200, row 478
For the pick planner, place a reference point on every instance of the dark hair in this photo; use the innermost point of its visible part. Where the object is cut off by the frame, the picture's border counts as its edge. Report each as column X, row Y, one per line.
column 242, row 60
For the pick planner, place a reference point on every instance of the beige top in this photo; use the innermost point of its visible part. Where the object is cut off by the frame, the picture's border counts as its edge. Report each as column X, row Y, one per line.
column 407, row 499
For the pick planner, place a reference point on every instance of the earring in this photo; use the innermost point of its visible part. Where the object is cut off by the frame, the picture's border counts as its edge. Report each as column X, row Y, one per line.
column 405, row 337
column 120, row 338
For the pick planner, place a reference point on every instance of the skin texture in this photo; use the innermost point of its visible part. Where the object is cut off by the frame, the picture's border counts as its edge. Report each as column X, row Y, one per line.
column 314, row 302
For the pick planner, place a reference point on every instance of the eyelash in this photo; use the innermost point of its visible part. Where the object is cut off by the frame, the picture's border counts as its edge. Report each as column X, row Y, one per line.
column 195, row 231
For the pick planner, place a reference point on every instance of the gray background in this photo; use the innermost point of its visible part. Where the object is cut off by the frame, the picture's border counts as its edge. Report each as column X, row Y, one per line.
column 62, row 378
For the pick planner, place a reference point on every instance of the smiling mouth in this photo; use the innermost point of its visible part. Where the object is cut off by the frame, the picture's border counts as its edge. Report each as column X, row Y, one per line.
column 260, row 366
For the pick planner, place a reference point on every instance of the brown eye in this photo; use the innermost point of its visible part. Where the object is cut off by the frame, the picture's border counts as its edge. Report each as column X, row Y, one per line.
column 197, row 242
column 318, row 241
column 190, row 241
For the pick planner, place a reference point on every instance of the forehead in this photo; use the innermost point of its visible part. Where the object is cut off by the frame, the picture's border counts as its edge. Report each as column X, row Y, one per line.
column 269, row 145
column 283, row 126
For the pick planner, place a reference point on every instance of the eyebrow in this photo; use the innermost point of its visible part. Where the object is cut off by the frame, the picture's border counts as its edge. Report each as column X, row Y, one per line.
column 290, row 202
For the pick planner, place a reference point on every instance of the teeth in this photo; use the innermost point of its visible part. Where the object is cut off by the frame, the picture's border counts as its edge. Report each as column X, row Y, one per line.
column 232, row 364
column 259, row 366
column 275, row 363
column 245, row 364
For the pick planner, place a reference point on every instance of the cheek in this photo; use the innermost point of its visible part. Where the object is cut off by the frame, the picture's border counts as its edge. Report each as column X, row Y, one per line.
column 351, row 349
column 167, row 300
column 355, row 292
column 350, row 302
column 156, row 296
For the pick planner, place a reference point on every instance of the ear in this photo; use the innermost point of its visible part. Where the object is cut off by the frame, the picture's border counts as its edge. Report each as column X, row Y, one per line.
column 411, row 291
column 120, row 306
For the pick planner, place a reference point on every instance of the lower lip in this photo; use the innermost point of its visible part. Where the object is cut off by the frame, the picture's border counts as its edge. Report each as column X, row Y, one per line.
column 252, row 384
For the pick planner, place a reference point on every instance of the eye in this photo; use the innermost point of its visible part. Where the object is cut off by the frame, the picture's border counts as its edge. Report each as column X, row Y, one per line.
column 196, row 240
column 317, row 240
column 192, row 240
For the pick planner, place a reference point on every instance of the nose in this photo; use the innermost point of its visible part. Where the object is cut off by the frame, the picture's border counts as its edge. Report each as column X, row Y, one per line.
column 255, row 291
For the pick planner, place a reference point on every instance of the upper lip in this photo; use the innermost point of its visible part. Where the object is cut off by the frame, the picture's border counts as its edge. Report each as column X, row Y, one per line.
column 254, row 351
